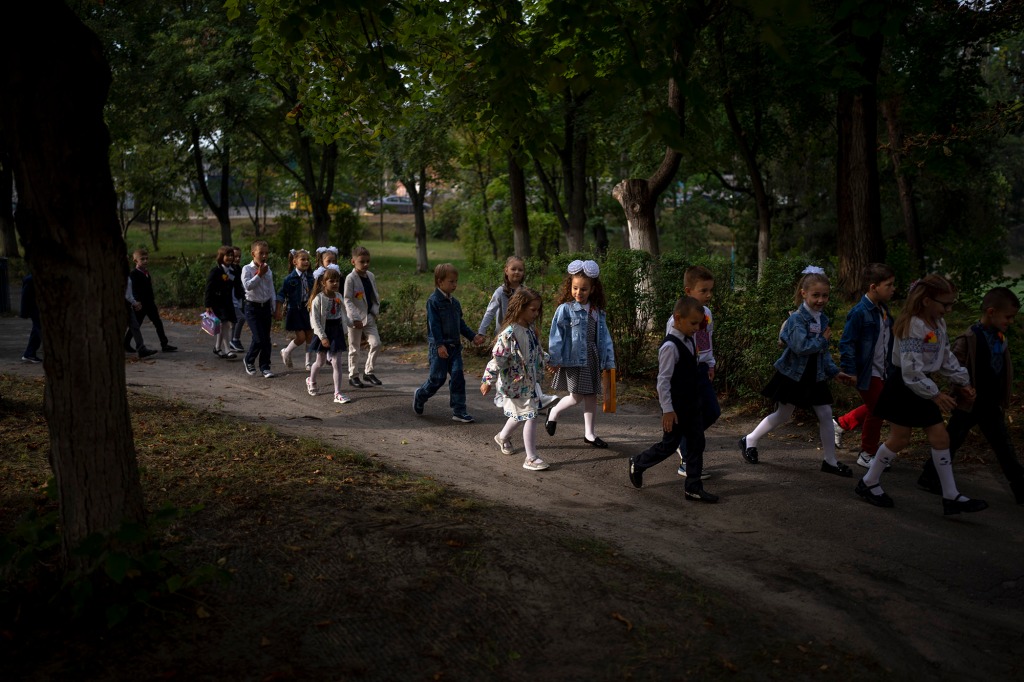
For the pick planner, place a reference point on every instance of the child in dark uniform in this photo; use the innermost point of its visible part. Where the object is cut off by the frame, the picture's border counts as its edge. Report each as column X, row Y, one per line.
column 294, row 295
column 222, row 285
column 802, row 372
column 680, row 398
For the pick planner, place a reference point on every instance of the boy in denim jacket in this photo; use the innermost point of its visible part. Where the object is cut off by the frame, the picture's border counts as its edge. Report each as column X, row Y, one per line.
column 445, row 327
column 982, row 349
column 865, row 351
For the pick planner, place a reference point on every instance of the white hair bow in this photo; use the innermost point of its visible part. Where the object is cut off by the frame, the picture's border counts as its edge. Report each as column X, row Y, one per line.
column 813, row 270
column 587, row 267
column 332, row 249
column 322, row 269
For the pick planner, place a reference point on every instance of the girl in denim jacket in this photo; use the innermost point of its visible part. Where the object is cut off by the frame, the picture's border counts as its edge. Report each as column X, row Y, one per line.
column 801, row 373
column 580, row 346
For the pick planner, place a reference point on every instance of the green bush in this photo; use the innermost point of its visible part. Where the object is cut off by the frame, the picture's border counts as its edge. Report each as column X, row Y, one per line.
column 185, row 284
column 346, row 231
column 445, row 220
column 292, row 233
column 403, row 318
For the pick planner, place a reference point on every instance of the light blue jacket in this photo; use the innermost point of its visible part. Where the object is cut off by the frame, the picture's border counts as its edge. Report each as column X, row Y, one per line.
column 801, row 344
column 567, row 339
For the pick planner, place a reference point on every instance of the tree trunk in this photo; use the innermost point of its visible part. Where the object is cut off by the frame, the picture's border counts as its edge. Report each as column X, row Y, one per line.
column 761, row 200
column 577, row 200
column 891, row 113
column 221, row 208
column 53, row 113
column 419, row 219
column 517, row 199
column 8, row 238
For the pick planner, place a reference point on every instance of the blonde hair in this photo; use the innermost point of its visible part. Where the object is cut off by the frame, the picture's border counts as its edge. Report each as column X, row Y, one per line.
column 330, row 274
column 519, row 301
column 928, row 286
column 442, row 271
column 806, row 282
column 504, row 271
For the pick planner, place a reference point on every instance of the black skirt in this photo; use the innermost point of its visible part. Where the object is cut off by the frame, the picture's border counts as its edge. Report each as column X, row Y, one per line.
column 807, row 392
column 898, row 405
column 335, row 336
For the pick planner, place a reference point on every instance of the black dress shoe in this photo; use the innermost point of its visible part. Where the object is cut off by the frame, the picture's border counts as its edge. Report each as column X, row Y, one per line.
column 880, row 500
column 550, row 427
column 597, row 442
column 168, row 348
column 373, row 380
column 701, row 496
column 839, row 469
column 929, row 485
column 354, row 381
column 636, row 474
column 962, row 504
column 749, row 454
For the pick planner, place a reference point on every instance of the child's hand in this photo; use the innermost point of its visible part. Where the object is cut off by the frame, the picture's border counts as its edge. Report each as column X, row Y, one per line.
column 847, row 379
column 553, row 368
column 478, row 340
column 711, row 373
column 968, row 392
column 668, row 420
column 485, row 389
column 278, row 313
column 945, row 402
column 136, row 306
column 827, row 334
column 442, row 352
column 262, row 269
column 325, row 342
column 358, row 324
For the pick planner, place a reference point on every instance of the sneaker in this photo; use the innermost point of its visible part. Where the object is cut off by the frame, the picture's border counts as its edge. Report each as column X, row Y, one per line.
column 465, row 419
column 636, row 474
column 373, row 380
column 341, row 398
column 250, row 369
column 267, row 374
column 286, row 358
column 505, row 445
column 701, row 496
column 308, row 365
column 839, row 431
column 547, row 401
column 682, row 472
column 417, row 406
column 354, row 381
column 30, row 358
column 235, row 346
column 146, row 352
column 535, row 464
column 310, row 386
column 864, row 460
column 168, row 348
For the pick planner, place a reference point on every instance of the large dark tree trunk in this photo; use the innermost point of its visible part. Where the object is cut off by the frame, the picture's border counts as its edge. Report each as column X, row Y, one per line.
column 52, row 111
column 517, row 199
column 417, row 191
column 859, row 219
column 891, row 113
column 8, row 238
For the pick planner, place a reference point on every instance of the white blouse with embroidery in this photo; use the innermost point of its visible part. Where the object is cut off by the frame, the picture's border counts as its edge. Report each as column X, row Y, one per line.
column 923, row 351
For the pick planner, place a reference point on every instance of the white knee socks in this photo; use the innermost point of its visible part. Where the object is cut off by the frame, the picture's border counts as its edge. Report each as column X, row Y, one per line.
column 944, row 468
column 826, row 432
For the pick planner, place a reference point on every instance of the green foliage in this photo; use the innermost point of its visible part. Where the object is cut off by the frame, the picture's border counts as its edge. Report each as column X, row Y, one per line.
column 970, row 260
column 186, row 283
column 345, row 232
column 112, row 576
column 292, row 233
column 445, row 220
column 402, row 317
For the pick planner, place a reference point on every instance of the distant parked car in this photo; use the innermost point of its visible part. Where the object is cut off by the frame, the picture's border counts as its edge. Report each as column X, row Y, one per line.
column 393, row 204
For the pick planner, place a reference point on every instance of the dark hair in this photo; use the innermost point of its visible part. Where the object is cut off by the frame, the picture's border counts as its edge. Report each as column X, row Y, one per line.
column 686, row 305
column 928, row 286
column 258, row 242
column 522, row 298
column 223, row 251
column 358, row 251
column 806, row 282
column 695, row 274
column 442, row 271
column 596, row 299
column 293, row 256
column 875, row 273
column 507, row 286
column 318, row 285
column 1000, row 298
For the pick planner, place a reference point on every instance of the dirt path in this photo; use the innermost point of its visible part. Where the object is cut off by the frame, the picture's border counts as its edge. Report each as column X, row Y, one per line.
column 922, row 593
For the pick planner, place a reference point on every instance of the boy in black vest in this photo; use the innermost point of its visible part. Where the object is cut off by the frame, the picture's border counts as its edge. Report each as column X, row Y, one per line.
column 680, row 402
column 982, row 350
column 142, row 288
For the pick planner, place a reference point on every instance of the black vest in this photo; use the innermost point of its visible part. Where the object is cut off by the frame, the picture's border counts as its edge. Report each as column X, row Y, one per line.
column 685, row 397
column 987, row 383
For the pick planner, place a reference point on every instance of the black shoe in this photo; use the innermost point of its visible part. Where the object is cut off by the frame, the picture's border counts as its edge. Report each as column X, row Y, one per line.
column 962, row 504
column 373, row 380
column 354, row 381
column 550, row 427
column 701, row 496
column 250, row 368
column 168, row 348
column 146, row 352
column 636, row 474
column 880, row 500
column 929, row 485
column 417, row 406
column 839, row 469
column 749, row 454
column 597, row 442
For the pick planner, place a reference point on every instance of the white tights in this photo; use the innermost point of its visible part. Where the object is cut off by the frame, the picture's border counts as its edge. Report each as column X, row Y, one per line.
column 529, row 434
column 589, row 409
column 785, row 412
column 321, row 358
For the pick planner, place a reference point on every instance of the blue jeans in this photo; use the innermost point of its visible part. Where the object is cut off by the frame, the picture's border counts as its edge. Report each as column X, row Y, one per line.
column 258, row 317
column 440, row 370
column 35, row 338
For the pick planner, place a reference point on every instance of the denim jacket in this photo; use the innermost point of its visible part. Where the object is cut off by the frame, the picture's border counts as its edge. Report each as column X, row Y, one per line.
column 857, row 346
column 291, row 289
column 567, row 339
column 801, row 344
column 444, row 321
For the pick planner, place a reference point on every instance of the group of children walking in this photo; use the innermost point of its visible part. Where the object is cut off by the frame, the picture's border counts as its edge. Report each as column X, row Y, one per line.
column 322, row 316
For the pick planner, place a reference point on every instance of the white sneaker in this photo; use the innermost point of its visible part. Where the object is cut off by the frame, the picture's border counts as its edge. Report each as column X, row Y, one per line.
column 838, row 433
column 286, row 358
column 341, row 398
column 865, row 460
column 267, row 374
column 536, row 464
column 505, row 445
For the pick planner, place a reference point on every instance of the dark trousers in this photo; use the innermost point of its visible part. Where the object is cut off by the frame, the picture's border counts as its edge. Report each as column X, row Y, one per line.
column 709, row 408
column 670, row 440
column 236, row 333
column 992, row 422
column 133, row 329
column 440, row 370
column 258, row 317
column 153, row 314
column 35, row 338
